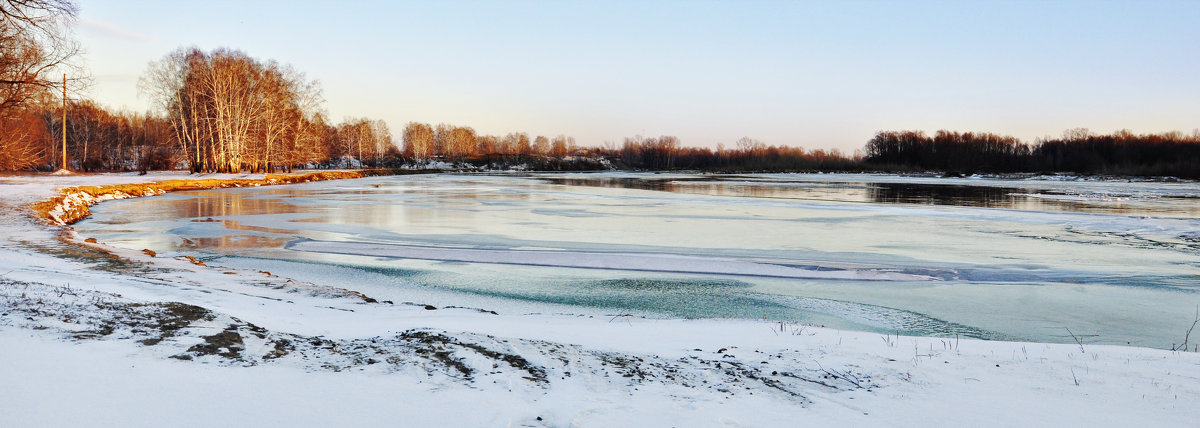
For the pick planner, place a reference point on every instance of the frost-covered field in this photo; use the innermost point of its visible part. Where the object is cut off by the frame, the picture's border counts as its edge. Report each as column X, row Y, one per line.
column 96, row 334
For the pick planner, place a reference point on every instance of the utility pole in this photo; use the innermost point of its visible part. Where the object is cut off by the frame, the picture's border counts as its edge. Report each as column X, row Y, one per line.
column 64, row 129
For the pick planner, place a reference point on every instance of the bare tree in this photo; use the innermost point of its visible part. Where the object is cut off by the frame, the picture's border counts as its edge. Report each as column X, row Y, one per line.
column 541, row 145
column 18, row 134
column 35, row 46
column 304, row 144
column 418, row 141
column 524, row 148
column 508, row 145
column 558, row 146
column 487, row 145
column 441, row 139
column 382, row 137
column 461, row 142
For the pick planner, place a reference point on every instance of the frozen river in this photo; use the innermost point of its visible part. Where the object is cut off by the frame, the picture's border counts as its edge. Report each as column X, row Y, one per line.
column 1115, row 262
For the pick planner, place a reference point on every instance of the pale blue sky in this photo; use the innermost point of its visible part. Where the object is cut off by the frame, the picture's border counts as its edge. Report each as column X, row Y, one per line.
column 813, row 74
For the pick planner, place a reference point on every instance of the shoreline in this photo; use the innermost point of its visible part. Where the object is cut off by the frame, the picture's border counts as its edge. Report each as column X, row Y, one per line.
column 71, row 204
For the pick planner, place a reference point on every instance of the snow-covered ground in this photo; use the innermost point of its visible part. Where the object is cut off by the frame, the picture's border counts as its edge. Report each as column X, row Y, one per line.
column 98, row 336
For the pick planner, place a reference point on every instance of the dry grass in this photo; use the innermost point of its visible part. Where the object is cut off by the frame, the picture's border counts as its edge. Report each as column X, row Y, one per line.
column 71, row 204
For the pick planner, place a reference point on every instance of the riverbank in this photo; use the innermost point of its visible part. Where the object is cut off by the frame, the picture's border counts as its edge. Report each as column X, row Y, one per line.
column 134, row 339
column 71, row 203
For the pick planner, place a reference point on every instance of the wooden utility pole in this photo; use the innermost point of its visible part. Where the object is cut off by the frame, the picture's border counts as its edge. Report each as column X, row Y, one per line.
column 64, row 129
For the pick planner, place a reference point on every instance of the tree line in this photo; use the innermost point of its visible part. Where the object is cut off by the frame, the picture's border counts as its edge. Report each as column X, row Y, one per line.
column 106, row 140
column 1077, row 150
column 747, row 155
column 423, row 142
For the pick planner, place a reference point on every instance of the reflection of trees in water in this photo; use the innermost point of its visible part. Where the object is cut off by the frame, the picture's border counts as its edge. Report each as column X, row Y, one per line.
column 446, row 209
column 889, row 193
column 664, row 184
column 233, row 241
column 975, row 196
column 883, row 193
column 209, row 206
column 218, row 204
column 716, row 186
column 1016, row 198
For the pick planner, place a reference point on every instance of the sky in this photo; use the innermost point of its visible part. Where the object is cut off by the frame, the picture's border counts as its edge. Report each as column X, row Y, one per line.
column 821, row 75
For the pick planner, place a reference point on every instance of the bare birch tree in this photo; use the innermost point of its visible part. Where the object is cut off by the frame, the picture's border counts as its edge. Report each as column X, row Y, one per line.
column 541, row 145
column 418, row 141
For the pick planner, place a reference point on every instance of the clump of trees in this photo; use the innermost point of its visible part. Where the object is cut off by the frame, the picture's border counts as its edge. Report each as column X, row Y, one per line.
column 1078, row 151
column 650, row 153
column 358, row 142
column 108, row 141
column 948, row 151
column 1121, row 153
column 424, row 142
column 219, row 111
column 231, row 112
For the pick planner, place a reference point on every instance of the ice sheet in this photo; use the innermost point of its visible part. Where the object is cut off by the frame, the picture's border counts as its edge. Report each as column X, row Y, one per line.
column 590, row 260
column 1017, row 257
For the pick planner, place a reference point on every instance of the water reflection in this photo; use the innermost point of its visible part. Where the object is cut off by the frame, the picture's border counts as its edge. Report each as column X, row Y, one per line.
column 230, row 242
column 986, row 196
column 994, row 197
column 204, row 204
column 234, row 225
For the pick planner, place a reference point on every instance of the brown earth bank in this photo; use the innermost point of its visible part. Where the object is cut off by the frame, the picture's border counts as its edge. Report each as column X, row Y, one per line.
column 71, row 204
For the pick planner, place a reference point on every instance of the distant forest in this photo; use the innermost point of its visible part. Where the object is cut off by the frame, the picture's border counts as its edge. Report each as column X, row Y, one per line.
column 1077, row 151
column 225, row 111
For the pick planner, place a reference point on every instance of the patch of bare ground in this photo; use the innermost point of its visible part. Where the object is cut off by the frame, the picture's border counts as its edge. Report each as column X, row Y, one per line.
column 93, row 256
column 191, row 333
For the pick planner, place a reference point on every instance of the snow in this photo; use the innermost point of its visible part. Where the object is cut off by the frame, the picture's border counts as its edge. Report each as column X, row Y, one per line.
column 83, row 342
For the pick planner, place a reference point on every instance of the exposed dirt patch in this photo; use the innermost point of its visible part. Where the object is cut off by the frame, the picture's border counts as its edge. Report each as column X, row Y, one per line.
column 95, row 258
column 434, row 347
column 281, row 348
column 441, row 348
column 228, row 343
column 175, row 316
